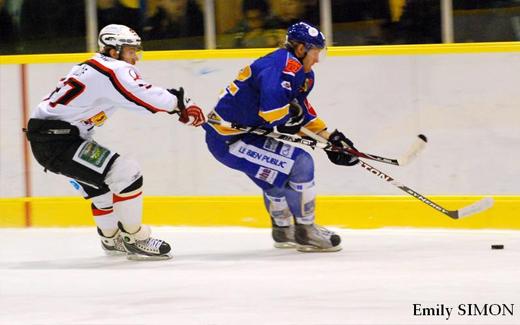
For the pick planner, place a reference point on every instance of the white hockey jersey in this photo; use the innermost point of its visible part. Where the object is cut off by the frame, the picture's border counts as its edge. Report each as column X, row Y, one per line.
column 94, row 89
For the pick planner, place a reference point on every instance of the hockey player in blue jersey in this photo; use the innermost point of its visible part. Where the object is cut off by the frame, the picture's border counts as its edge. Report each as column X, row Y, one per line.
column 272, row 93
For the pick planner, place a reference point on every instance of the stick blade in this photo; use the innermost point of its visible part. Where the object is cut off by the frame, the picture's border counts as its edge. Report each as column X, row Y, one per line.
column 414, row 150
column 476, row 207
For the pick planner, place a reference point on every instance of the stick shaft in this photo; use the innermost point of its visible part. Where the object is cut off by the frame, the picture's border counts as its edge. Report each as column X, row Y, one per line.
column 313, row 143
column 374, row 171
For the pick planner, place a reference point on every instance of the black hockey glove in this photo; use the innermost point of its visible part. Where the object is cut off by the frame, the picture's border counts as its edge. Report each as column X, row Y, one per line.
column 295, row 122
column 189, row 113
column 181, row 104
column 338, row 139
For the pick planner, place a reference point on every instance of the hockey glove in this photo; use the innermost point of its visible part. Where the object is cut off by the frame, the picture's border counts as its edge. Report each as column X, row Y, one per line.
column 189, row 113
column 295, row 122
column 338, row 139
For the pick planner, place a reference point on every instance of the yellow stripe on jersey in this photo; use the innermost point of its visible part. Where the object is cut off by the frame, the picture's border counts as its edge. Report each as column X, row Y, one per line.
column 316, row 125
column 222, row 130
column 274, row 114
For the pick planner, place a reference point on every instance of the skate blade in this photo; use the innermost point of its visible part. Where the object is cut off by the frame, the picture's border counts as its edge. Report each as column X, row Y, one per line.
column 139, row 257
column 284, row 245
column 115, row 253
column 314, row 249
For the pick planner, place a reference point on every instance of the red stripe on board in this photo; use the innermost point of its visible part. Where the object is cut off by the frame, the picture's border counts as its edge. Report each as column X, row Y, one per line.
column 122, row 89
column 116, row 198
column 25, row 143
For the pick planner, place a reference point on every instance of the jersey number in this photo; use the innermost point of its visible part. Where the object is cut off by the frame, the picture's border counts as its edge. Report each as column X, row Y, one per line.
column 74, row 89
column 243, row 75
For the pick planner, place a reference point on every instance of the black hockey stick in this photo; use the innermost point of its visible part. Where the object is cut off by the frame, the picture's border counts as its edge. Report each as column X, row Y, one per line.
column 476, row 207
column 313, row 143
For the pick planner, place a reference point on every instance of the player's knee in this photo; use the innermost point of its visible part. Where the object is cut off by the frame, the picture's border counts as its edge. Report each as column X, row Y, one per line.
column 103, row 201
column 124, row 177
column 303, row 168
column 274, row 192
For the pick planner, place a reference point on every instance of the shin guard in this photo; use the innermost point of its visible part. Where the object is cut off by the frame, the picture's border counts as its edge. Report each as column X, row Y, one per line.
column 278, row 210
column 302, row 201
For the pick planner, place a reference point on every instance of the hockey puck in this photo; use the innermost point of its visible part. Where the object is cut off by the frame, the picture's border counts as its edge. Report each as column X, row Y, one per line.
column 497, row 246
column 423, row 137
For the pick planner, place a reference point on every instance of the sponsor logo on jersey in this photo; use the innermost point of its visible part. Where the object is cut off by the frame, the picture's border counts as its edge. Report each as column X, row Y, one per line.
column 292, row 67
column 134, row 74
column 286, row 85
column 94, row 154
column 307, row 85
column 266, row 174
column 287, row 150
column 261, row 157
column 98, row 119
column 270, row 144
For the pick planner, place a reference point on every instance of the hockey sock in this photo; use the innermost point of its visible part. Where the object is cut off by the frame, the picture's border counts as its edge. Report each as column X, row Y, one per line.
column 129, row 210
column 277, row 206
column 103, row 213
column 300, row 191
column 301, row 198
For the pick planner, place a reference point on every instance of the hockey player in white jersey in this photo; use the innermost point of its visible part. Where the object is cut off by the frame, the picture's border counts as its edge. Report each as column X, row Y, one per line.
column 61, row 127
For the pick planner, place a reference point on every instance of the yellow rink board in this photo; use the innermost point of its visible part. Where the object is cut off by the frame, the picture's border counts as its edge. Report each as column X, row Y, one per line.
column 344, row 211
column 377, row 50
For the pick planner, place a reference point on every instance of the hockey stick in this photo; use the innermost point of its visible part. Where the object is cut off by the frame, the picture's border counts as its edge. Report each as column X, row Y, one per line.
column 476, row 207
column 313, row 143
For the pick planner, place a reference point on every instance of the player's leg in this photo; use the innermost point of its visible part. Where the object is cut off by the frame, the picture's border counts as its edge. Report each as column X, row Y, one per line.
column 281, row 217
column 125, row 181
column 300, row 193
column 104, row 217
column 100, row 168
column 273, row 164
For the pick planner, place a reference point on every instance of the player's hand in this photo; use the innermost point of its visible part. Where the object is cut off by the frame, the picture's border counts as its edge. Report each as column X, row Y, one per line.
column 189, row 113
column 338, row 139
column 296, row 120
column 192, row 115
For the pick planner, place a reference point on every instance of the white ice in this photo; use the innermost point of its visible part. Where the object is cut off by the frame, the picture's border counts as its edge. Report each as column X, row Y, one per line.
column 235, row 276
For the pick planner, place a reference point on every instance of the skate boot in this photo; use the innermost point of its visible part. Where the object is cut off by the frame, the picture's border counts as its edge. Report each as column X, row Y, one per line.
column 113, row 245
column 283, row 236
column 314, row 238
column 140, row 246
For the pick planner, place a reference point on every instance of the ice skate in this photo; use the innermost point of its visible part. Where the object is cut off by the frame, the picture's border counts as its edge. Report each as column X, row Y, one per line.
column 140, row 246
column 314, row 238
column 283, row 236
column 113, row 246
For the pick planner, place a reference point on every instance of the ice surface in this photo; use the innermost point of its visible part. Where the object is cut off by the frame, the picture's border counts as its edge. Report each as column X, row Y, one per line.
column 235, row 276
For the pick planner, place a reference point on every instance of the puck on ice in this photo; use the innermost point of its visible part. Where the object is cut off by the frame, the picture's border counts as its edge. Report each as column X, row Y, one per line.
column 497, row 246
column 423, row 137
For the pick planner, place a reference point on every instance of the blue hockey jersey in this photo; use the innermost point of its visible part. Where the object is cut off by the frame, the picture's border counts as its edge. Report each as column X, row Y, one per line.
column 261, row 93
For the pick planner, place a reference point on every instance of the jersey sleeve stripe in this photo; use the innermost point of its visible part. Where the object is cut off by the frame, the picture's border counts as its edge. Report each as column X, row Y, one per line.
column 120, row 88
column 316, row 125
column 275, row 114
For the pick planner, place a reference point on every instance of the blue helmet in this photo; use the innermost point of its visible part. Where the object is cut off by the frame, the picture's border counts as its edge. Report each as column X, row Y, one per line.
column 306, row 34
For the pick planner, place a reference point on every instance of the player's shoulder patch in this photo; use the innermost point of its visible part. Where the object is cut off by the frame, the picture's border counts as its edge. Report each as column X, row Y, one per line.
column 292, row 66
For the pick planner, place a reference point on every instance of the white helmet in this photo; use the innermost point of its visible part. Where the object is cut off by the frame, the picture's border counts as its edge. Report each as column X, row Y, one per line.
column 116, row 36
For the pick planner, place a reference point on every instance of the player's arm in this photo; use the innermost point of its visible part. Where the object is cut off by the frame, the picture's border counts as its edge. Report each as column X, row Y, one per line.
column 313, row 123
column 143, row 95
column 276, row 94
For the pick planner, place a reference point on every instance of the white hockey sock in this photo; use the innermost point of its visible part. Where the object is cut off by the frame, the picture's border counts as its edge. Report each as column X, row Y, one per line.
column 103, row 213
column 129, row 211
